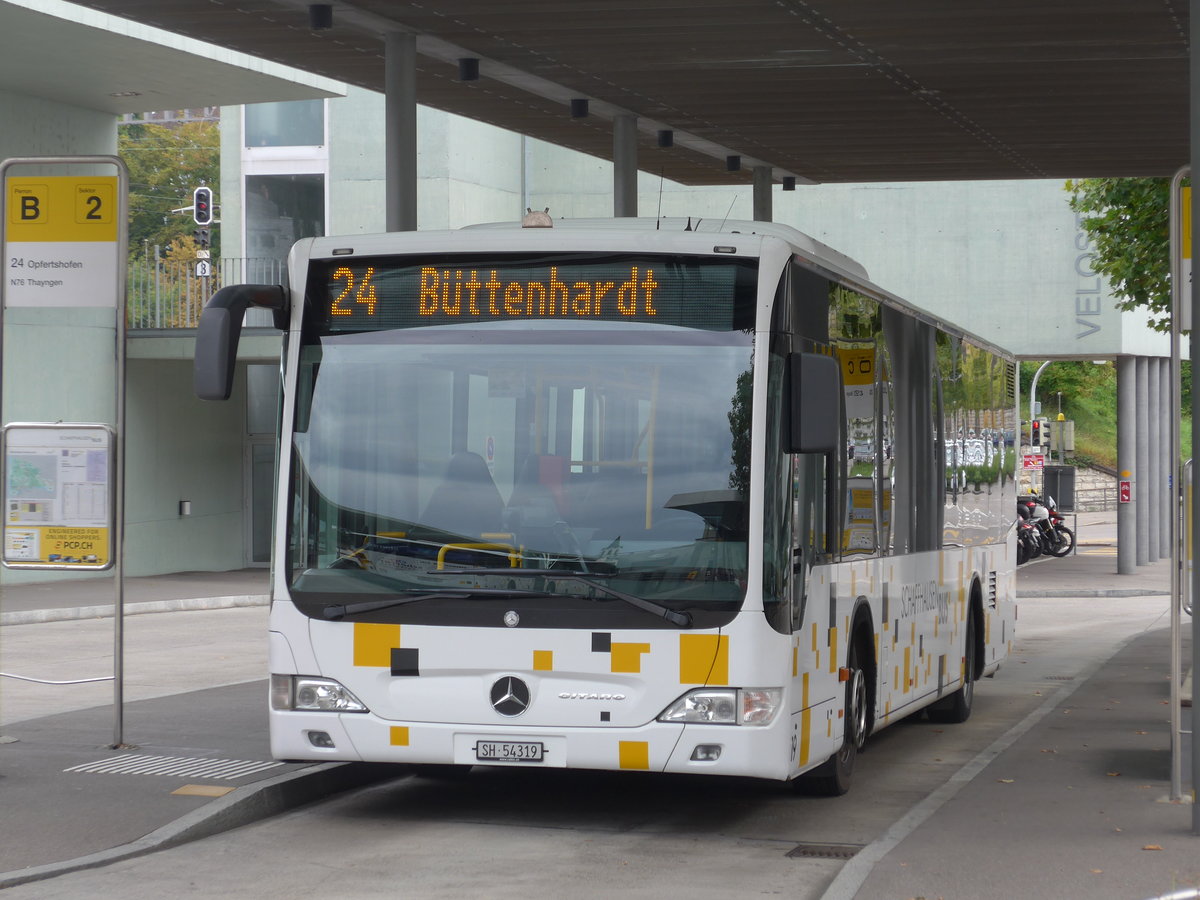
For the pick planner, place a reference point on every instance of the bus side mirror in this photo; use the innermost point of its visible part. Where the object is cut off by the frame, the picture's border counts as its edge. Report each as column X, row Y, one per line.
column 815, row 407
column 220, row 330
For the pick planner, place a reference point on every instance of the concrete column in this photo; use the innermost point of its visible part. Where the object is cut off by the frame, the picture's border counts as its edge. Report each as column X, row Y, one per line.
column 400, row 130
column 1166, row 465
column 1154, row 438
column 625, row 170
column 1126, row 454
column 1141, row 479
column 762, row 194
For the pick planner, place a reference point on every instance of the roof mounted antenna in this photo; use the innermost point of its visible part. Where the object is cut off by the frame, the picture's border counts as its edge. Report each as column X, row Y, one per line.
column 727, row 212
column 689, row 224
column 661, row 177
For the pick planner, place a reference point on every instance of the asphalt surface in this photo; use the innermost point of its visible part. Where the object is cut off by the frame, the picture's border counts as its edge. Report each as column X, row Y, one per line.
column 1090, row 764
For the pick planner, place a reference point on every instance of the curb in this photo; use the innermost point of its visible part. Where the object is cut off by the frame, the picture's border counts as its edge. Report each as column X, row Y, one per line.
column 71, row 613
column 1086, row 592
column 244, row 806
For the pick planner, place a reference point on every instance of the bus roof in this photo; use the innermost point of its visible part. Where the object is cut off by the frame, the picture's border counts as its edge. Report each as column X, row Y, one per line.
column 807, row 245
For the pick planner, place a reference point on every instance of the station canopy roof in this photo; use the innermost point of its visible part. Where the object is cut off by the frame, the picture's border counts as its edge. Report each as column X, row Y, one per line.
column 53, row 50
column 824, row 91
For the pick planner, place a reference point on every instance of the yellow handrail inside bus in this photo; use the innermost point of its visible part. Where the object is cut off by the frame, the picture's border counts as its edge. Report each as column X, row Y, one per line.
column 514, row 557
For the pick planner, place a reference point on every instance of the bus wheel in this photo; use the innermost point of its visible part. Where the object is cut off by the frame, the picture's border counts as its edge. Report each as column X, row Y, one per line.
column 957, row 707
column 832, row 777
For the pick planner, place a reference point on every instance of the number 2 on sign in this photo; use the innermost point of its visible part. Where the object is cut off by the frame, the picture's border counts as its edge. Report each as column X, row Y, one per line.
column 365, row 292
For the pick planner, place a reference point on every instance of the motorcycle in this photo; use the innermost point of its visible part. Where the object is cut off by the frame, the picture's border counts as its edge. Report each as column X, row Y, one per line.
column 1057, row 539
column 1029, row 539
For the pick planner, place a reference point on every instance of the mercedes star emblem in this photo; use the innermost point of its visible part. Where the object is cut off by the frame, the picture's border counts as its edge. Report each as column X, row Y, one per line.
column 510, row 696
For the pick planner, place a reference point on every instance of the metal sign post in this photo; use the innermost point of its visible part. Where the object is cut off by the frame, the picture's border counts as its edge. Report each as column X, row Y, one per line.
column 1181, row 276
column 64, row 241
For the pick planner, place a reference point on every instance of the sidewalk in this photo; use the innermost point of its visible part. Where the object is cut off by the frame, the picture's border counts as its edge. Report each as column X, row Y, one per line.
column 202, row 762
column 1092, row 569
column 206, row 764
column 92, row 597
column 1077, row 805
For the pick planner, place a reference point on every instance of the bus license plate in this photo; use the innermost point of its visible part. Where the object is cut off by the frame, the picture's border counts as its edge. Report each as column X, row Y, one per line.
column 509, row 751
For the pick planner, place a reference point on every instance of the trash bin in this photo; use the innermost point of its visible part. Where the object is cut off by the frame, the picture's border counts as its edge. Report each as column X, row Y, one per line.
column 1059, row 482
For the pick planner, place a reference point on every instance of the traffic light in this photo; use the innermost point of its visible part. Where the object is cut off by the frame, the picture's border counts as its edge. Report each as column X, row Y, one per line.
column 1035, row 433
column 202, row 205
column 1046, row 441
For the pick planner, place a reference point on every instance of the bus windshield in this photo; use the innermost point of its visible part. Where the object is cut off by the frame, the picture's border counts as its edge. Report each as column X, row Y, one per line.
column 435, row 466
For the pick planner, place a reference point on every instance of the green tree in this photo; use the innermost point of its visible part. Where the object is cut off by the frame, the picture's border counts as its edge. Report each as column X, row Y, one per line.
column 1128, row 222
column 166, row 163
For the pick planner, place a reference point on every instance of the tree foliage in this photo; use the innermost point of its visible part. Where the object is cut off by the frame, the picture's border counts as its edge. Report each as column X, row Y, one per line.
column 1128, row 223
column 166, row 163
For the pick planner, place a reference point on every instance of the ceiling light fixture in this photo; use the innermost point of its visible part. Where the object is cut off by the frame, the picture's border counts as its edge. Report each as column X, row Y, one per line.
column 468, row 69
column 320, row 16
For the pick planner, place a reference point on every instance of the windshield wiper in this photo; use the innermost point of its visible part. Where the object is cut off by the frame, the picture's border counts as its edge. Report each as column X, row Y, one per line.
column 341, row 610
column 674, row 616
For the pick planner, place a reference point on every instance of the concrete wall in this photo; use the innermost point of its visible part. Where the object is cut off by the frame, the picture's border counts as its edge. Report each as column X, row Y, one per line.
column 53, row 129
column 182, row 448
column 1006, row 260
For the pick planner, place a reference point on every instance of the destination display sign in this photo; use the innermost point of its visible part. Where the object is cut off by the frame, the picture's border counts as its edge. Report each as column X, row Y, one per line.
column 385, row 293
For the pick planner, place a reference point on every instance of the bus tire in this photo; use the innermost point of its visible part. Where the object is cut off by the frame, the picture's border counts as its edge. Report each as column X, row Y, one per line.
column 832, row 778
column 957, row 707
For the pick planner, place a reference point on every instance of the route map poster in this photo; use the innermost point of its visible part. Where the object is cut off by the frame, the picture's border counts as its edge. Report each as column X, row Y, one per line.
column 58, row 498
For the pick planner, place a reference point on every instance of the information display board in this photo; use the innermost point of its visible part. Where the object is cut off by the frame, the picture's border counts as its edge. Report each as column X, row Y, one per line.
column 58, row 496
column 61, row 241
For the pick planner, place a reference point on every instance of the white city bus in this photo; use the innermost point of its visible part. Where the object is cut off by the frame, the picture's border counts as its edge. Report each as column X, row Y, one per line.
column 623, row 495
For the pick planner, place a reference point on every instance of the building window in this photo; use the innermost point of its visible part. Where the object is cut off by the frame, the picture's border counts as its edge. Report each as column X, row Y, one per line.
column 281, row 209
column 295, row 123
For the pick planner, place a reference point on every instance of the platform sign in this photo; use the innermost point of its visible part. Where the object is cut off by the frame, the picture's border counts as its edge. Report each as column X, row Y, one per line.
column 58, row 496
column 61, row 241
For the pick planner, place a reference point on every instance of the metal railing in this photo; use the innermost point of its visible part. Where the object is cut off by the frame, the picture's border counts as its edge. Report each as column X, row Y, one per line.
column 170, row 293
column 1096, row 499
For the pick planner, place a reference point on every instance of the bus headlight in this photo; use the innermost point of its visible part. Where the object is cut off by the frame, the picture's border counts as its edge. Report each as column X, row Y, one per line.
column 725, row 706
column 300, row 692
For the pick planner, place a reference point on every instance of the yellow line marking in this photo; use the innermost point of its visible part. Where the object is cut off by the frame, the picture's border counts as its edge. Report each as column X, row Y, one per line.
column 201, row 790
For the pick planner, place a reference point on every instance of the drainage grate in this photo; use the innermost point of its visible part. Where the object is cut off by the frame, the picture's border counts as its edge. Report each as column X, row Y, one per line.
column 824, row 851
column 1060, row 677
column 175, row 766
